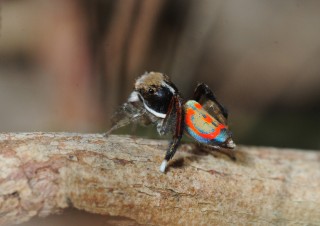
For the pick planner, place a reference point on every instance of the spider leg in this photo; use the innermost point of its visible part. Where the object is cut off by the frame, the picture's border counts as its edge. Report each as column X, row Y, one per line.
column 203, row 90
column 124, row 116
column 175, row 109
column 123, row 122
column 228, row 152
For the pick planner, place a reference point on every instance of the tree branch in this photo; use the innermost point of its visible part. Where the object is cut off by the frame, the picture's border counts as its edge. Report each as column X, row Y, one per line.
column 42, row 173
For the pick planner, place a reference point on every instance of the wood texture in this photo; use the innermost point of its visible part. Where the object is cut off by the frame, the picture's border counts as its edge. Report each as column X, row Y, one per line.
column 42, row 173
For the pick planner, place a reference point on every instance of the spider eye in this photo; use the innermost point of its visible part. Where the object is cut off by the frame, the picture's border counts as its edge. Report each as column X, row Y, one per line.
column 151, row 91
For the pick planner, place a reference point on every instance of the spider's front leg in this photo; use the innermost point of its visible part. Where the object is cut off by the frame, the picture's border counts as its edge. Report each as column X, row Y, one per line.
column 126, row 114
column 175, row 110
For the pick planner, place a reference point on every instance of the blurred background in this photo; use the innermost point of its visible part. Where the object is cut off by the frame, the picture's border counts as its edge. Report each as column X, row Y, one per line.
column 66, row 65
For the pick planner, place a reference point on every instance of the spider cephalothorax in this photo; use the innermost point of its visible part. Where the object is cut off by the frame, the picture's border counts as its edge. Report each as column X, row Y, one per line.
column 155, row 91
column 155, row 99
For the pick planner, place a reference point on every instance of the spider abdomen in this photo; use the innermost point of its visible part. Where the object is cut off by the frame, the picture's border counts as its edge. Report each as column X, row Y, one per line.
column 202, row 126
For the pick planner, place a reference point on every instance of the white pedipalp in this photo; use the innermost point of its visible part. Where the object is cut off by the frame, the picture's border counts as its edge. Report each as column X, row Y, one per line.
column 133, row 97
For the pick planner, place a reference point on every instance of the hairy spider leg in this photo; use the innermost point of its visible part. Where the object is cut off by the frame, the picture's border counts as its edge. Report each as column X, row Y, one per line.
column 174, row 107
column 203, row 90
column 128, row 117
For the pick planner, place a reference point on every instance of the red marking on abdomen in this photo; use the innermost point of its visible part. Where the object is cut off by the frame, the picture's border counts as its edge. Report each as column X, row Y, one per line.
column 208, row 118
column 197, row 105
column 210, row 136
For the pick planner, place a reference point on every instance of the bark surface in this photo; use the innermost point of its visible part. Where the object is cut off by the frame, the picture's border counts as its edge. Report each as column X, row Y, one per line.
column 42, row 173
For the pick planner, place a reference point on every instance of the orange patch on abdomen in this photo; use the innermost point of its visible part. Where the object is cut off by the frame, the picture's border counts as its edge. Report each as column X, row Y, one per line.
column 208, row 119
column 197, row 105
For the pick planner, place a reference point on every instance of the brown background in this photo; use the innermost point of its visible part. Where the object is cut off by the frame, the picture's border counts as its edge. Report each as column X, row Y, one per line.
column 67, row 65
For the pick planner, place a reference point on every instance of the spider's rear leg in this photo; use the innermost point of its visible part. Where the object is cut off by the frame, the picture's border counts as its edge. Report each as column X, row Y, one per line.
column 203, row 90
column 228, row 152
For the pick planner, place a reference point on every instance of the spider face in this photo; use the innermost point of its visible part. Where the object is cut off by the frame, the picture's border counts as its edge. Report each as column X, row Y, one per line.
column 155, row 91
column 155, row 99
